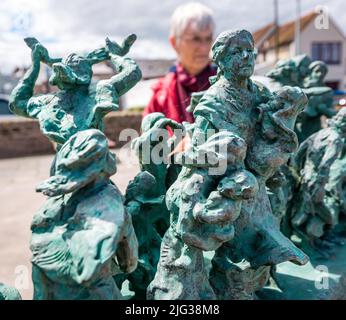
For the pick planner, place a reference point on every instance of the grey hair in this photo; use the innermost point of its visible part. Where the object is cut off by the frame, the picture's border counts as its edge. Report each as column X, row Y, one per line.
column 194, row 12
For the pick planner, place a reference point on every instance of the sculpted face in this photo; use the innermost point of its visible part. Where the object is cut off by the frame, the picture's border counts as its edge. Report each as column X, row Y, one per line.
column 74, row 70
column 286, row 72
column 340, row 120
column 242, row 57
column 234, row 54
column 318, row 71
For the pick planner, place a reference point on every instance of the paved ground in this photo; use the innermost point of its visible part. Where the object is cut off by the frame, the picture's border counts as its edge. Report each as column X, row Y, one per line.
column 18, row 203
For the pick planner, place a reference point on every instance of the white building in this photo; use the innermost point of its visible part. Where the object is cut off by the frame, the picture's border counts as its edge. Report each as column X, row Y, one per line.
column 328, row 45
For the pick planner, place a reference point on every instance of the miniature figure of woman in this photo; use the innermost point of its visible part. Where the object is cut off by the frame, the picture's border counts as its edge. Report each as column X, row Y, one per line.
column 83, row 234
column 75, row 106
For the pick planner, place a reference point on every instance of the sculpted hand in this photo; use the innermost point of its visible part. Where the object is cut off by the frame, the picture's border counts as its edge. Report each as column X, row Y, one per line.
column 113, row 48
column 163, row 123
column 39, row 52
column 98, row 55
column 160, row 129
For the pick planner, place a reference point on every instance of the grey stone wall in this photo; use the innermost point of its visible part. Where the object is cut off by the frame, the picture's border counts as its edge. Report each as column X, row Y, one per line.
column 21, row 137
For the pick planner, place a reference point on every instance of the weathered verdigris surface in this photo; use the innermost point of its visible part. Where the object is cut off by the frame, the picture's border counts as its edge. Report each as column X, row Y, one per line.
column 320, row 101
column 290, row 72
column 318, row 203
column 246, row 134
column 83, row 234
column 9, row 293
column 308, row 194
column 145, row 199
column 75, row 107
column 298, row 71
column 302, row 72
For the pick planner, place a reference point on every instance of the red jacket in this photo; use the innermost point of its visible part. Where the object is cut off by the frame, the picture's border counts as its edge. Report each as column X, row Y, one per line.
column 172, row 93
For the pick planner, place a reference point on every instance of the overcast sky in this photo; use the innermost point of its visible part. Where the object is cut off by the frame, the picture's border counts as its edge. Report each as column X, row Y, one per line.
column 75, row 25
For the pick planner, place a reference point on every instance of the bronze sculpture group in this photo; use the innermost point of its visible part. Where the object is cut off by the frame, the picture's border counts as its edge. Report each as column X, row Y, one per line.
column 249, row 177
column 83, row 234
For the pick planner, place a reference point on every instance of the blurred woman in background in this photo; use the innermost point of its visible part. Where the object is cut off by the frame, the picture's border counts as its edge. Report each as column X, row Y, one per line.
column 191, row 36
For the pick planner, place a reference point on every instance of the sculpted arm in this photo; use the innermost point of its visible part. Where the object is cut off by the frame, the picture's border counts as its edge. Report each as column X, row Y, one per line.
column 128, row 72
column 200, row 134
column 333, row 150
column 24, row 91
column 299, row 159
column 127, row 252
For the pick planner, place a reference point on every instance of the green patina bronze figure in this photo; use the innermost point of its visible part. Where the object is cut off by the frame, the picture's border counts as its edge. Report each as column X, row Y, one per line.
column 241, row 136
column 75, row 107
column 83, row 235
column 336, row 192
column 316, row 74
column 226, row 190
column 203, row 208
column 289, row 72
column 302, row 72
column 9, row 293
column 318, row 205
column 320, row 101
column 320, row 104
column 145, row 197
